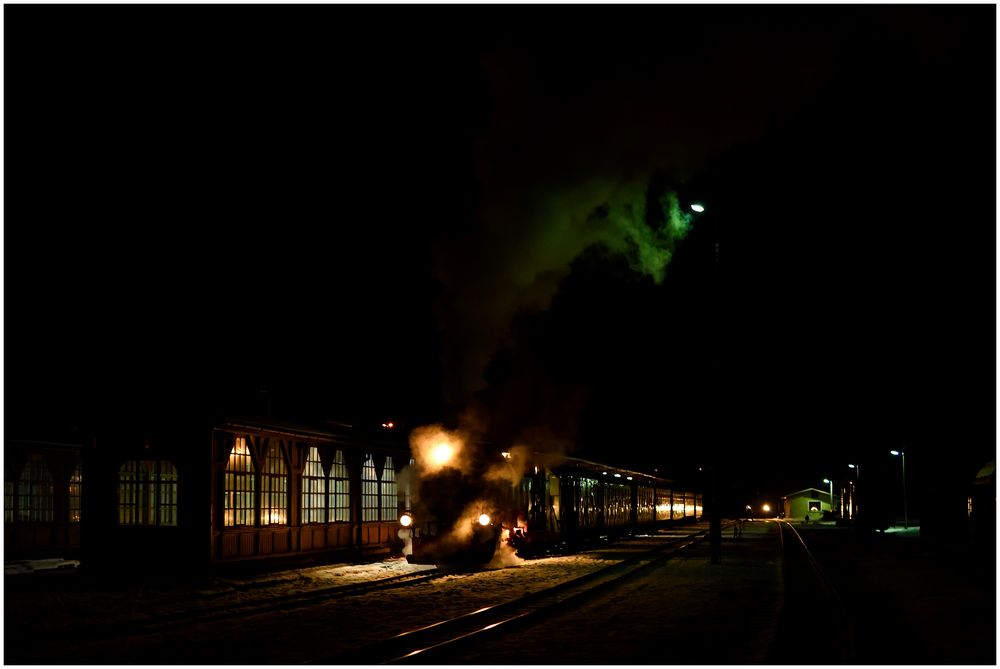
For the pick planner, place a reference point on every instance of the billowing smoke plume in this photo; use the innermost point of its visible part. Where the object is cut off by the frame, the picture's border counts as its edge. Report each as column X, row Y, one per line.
column 576, row 128
column 519, row 263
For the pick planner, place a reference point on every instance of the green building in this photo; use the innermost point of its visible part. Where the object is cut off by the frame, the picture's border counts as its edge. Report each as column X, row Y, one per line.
column 808, row 504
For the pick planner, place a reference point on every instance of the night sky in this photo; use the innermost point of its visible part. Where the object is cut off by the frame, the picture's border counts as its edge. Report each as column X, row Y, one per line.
column 478, row 215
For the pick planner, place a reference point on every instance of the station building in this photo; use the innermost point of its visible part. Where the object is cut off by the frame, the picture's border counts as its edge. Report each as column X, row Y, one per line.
column 235, row 491
column 811, row 504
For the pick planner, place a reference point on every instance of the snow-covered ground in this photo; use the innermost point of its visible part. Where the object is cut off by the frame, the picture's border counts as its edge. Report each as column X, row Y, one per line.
column 293, row 636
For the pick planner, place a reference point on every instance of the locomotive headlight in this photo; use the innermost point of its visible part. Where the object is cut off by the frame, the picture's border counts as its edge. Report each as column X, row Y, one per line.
column 406, row 520
column 484, row 520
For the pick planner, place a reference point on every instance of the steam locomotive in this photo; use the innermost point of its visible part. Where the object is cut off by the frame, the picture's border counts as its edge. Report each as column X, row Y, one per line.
column 529, row 504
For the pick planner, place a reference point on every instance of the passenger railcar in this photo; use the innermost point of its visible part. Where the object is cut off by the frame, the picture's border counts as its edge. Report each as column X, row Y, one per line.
column 534, row 503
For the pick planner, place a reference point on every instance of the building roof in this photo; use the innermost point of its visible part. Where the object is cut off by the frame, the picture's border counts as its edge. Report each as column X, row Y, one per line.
column 810, row 491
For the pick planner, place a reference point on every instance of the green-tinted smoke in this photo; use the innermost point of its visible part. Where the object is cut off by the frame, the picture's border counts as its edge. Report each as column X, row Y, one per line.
column 647, row 238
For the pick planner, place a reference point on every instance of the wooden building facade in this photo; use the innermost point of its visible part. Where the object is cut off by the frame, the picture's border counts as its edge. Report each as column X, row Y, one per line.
column 235, row 491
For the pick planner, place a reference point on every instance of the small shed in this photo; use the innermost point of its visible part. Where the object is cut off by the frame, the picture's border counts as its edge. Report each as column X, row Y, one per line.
column 809, row 504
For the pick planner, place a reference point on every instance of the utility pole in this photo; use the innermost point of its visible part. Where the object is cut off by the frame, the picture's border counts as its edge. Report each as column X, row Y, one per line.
column 715, row 519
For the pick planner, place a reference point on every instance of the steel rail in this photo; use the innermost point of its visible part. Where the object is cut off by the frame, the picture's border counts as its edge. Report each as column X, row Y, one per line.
column 827, row 586
column 172, row 620
column 435, row 638
column 191, row 614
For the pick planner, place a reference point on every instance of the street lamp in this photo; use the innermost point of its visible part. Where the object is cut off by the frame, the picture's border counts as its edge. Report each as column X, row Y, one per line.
column 854, row 493
column 831, row 494
column 906, row 520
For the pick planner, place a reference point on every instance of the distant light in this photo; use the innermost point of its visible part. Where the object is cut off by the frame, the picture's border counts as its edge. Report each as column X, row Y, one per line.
column 851, row 466
column 605, row 473
column 505, row 454
column 629, row 478
column 827, row 481
column 484, row 520
column 697, row 208
column 894, row 452
column 618, row 476
column 766, row 508
column 389, row 425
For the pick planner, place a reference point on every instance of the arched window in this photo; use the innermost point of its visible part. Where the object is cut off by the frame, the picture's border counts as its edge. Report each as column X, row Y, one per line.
column 340, row 488
column 313, row 489
column 147, row 493
column 239, row 502
column 369, row 490
column 390, row 494
column 35, row 492
column 75, row 484
column 274, row 488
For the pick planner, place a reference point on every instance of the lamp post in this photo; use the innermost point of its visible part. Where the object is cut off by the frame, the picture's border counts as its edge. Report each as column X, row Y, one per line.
column 854, row 495
column 715, row 515
column 831, row 494
column 906, row 520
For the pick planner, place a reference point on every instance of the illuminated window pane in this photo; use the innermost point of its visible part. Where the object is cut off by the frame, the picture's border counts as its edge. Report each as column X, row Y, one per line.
column 166, row 492
column 340, row 488
column 147, row 493
column 390, row 491
column 313, row 489
column 617, row 497
column 35, row 492
column 646, row 505
column 239, row 486
column 663, row 505
column 75, row 483
column 369, row 490
column 274, row 488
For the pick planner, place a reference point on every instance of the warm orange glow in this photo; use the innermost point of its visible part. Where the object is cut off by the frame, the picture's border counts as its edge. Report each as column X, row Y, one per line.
column 406, row 520
column 442, row 453
column 766, row 508
column 484, row 520
column 435, row 448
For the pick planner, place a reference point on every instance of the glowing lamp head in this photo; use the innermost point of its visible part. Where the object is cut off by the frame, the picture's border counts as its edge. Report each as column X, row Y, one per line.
column 697, row 207
column 894, row 452
column 766, row 508
column 484, row 520
column 406, row 520
column 827, row 481
column 442, row 453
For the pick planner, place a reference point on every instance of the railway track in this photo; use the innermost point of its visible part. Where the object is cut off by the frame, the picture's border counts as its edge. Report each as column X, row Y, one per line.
column 430, row 643
column 194, row 614
column 807, row 590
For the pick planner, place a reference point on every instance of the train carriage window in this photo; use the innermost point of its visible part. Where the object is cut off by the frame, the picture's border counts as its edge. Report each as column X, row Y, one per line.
column 274, row 488
column 147, row 493
column 75, row 484
column 35, row 492
column 313, row 489
column 390, row 491
column 369, row 490
column 239, row 490
column 340, row 488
